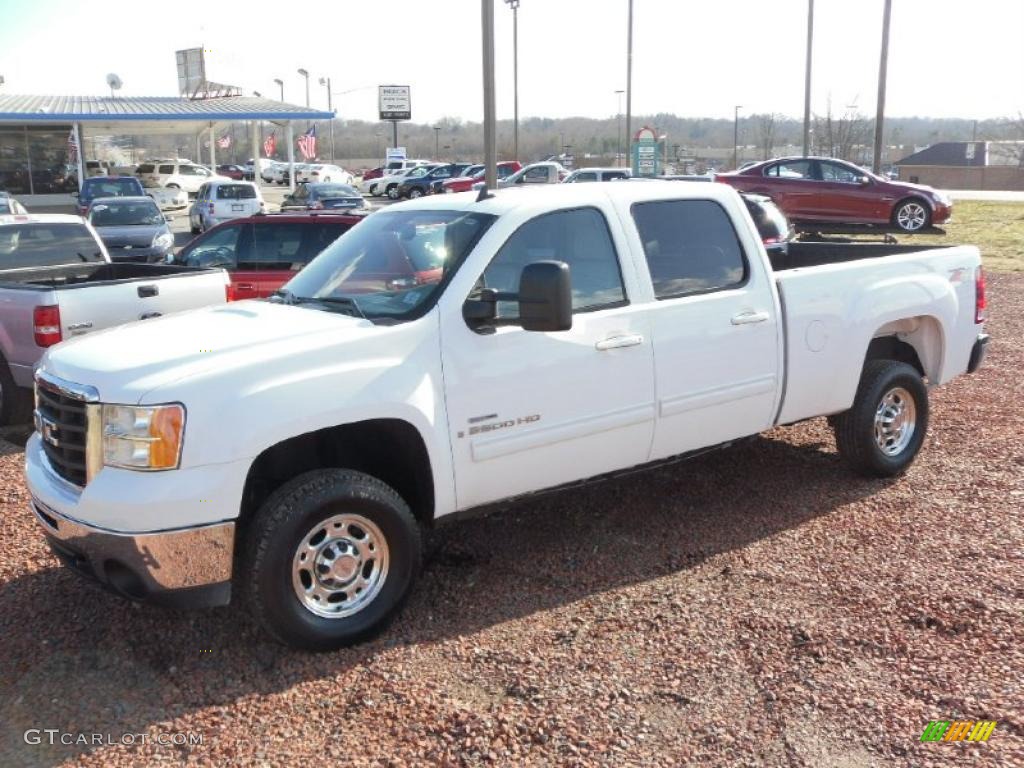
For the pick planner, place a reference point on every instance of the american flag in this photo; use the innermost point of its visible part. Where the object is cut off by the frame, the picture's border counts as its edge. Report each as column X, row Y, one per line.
column 270, row 144
column 72, row 147
column 224, row 141
column 307, row 143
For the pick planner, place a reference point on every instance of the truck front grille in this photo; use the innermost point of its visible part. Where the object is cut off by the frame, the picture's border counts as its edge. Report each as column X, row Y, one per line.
column 61, row 423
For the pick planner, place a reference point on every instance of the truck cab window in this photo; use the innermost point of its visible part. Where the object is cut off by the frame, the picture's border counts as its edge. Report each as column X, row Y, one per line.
column 578, row 237
column 691, row 247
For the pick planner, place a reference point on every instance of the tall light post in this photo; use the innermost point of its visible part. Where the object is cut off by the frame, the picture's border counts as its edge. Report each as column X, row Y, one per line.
column 618, row 131
column 807, row 78
column 736, row 136
column 437, row 139
column 305, row 74
column 514, row 5
column 326, row 82
column 280, row 83
column 490, row 122
column 629, row 75
column 883, row 67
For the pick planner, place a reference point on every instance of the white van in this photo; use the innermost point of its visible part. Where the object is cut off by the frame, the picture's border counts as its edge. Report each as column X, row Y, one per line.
column 223, row 200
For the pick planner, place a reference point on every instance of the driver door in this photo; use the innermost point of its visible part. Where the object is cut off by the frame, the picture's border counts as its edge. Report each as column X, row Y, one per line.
column 530, row 410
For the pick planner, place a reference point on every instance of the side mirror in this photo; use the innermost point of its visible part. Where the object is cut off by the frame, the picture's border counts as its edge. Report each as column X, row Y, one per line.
column 545, row 297
column 863, row 180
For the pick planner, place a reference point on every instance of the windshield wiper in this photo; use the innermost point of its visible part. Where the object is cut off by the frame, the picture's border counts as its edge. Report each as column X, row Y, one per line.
column 339, row 301
column 287, row 297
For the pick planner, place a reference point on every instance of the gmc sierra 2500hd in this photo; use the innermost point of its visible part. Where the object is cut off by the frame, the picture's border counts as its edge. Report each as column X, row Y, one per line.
column 567, row 334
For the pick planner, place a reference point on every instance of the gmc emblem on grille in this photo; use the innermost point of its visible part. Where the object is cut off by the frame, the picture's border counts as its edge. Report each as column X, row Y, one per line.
column 49, row 432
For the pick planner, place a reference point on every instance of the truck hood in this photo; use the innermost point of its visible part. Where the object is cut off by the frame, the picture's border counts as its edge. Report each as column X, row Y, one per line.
column 126, row 362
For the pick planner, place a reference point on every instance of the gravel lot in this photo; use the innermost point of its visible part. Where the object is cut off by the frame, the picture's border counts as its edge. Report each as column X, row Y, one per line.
column 759, row 606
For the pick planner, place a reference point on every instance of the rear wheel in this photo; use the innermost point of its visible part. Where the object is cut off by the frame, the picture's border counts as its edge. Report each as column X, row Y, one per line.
column 415, row 192
column 912, row 215
column 332, row 555
column 392, row 191
column 882, row 433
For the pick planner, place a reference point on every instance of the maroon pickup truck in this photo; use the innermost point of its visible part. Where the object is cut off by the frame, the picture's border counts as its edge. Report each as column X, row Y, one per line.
column 821, row 190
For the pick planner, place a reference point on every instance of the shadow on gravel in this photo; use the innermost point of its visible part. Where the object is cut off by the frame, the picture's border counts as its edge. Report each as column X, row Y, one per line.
column 76, row 658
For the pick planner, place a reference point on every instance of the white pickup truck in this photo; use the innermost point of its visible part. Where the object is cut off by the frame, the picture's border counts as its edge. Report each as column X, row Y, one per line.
column 57, row 281
column 294, row 447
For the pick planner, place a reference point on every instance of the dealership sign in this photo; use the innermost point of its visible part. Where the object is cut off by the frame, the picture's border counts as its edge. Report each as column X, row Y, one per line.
column 395, row 102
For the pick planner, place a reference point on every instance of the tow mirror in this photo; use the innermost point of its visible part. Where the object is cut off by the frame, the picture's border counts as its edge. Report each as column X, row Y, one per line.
column 544, row 298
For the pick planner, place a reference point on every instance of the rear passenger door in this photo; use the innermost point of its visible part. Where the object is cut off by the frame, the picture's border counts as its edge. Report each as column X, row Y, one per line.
column 715, row 328
column 794, row 188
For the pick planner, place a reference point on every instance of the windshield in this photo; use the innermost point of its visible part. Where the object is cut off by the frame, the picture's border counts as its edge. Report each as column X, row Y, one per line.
column 415, row 173
column 135, row 213
column 111, row 188
column 393, row 263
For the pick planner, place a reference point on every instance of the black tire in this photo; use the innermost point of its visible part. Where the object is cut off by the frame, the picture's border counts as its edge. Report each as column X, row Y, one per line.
column 194, row 230
column 415, row 192
column 173, row 186
column 15, row 402
column 911, row 211
column 286, row 519
column 855, row 429
column 392, row 191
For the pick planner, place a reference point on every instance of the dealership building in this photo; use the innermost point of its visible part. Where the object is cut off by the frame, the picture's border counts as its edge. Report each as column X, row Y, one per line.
column 39, row 163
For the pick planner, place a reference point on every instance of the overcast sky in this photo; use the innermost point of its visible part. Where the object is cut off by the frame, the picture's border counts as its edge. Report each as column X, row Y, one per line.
column 948, row 58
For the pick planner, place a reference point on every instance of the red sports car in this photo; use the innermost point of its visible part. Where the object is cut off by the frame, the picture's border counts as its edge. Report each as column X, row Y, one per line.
column 821, row 190
column 465, row 183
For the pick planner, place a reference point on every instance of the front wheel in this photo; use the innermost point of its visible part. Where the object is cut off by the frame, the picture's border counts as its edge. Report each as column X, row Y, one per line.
column 912, row 215
column 332, row 555
column 882, row 433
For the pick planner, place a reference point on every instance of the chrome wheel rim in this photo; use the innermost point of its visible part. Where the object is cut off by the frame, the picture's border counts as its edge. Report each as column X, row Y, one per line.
column 340, row 566
column 414, row 193
column 895, row 421
column 911, row 216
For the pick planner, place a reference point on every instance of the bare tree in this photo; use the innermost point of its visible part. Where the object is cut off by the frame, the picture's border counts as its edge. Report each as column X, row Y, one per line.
column 845, row 137
column 765, row 125
column 1011, row 150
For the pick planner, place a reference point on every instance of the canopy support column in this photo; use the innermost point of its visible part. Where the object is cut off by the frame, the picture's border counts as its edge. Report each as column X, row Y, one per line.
column 290, row 138
column 213, row 144
column 77, row 128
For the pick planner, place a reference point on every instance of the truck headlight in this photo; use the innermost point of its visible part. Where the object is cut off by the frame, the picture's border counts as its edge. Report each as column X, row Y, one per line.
column 163, row 240
column 143, row 437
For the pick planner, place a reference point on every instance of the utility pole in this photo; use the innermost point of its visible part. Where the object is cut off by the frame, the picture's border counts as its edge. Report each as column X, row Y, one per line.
column 736, row 137
column 490, row 145
column 883, row 66
column 629, row 77
column 437, row 139
column 618, row 132
column 330, row 108
column 807, row 78
column 514, row 5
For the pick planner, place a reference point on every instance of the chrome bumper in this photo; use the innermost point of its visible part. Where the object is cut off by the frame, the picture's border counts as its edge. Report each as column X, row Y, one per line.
column 185, row 568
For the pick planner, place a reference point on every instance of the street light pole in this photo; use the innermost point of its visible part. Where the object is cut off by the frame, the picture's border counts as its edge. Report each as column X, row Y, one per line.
column 437, row 139
column 883, row 67
column 618, row 131
column 736, row 136
column 281, row 84
column 330, row 108
column 305, row 74
column 629, row 76
column 490, row 145
column 807, row 78
column 514, row 5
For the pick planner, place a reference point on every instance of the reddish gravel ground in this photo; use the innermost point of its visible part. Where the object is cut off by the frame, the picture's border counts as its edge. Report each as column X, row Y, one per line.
column 760, row 606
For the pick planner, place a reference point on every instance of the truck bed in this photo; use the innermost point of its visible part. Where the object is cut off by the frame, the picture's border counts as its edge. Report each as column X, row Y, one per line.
column 66, row 276
column 809, row 254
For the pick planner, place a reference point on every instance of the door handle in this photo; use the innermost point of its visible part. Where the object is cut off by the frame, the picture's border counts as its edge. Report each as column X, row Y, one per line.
column 749, row 317
column 618, row 342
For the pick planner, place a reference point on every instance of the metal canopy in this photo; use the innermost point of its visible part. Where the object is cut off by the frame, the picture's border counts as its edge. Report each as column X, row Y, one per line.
column 160, row 114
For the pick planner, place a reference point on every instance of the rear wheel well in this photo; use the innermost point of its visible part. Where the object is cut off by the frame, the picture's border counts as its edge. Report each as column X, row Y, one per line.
column 391, row 450
column 892, row 348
